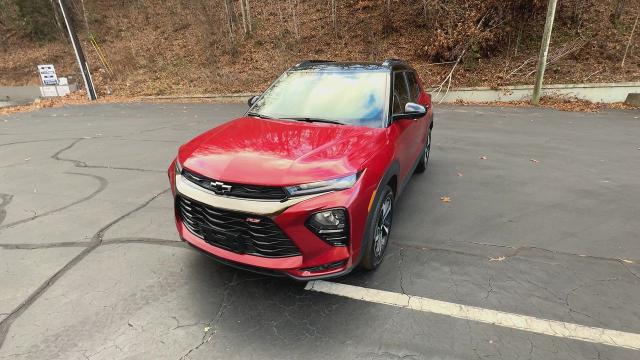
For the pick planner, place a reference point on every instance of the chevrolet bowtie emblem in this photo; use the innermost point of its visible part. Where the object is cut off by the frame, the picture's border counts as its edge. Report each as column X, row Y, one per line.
column 220, row 187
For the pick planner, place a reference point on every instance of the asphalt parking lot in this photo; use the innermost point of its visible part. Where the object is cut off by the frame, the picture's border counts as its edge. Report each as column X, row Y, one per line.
column 543, row 221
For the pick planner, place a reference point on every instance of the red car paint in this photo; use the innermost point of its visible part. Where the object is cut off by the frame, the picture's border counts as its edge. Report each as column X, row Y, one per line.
column 273, row 152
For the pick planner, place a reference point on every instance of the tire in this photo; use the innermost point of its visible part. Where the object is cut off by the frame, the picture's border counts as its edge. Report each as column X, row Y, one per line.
column 377, row 237
column 424, row 160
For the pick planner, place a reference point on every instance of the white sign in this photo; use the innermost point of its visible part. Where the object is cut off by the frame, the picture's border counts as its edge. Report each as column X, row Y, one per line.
column 48, row 74
column 48, row 91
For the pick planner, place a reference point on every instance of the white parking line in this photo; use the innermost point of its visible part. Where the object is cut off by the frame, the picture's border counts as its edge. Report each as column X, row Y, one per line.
column 499, row 318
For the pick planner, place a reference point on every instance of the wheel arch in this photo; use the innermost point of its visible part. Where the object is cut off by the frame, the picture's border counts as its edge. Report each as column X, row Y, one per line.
column 391, row 174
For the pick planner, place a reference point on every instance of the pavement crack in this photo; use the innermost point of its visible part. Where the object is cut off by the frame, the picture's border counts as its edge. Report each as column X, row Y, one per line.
column 34, row 141
column 402, row 272
column 5, row 200
column 77, row 163
column 624, row 265
column 43, row 246
column 515, row 250
column 82, row 164
column 211, row 328
column 490, row 290
column 121, row 168
column 144, row 240
column 95, row 242
column 179, row 325
column 102, row 185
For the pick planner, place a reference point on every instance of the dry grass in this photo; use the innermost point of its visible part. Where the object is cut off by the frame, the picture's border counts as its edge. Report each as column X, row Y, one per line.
column 183, row 47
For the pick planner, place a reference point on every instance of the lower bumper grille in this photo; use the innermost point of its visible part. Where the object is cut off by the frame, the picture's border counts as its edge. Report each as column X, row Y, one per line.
column 235, row 231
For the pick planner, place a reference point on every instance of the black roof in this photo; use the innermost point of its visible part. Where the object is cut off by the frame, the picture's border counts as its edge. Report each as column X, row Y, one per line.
column 327, row 65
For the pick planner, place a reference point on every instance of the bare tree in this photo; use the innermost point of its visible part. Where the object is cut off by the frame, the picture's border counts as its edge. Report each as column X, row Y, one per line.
column 247, row 8
column 425, row 9
column 387, row 16
column 214, row 28
column 618, row 10
column 228, row 9
column 54, row 9
column 84, row 15
column 293, row 4
column 334, row 16
column 629, row 42
column 244, row 17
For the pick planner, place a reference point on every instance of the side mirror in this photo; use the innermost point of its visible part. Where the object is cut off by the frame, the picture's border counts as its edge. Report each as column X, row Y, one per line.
column 412, row 111
column 252, row 100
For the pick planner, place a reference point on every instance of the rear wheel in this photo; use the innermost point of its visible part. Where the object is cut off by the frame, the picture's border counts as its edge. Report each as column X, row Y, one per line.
column 424, row 159
column 379, row 230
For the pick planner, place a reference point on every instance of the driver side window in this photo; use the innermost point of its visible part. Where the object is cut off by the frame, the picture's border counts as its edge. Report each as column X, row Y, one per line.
column 400, row 92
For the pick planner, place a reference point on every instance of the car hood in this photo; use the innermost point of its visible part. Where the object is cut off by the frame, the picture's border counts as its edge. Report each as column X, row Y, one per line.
column 279, row 152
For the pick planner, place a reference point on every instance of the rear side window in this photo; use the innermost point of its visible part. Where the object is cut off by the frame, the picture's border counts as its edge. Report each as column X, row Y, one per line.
column 414, row 88
column 401, row 95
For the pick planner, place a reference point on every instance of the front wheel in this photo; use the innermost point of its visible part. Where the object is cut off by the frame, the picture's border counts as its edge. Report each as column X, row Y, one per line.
column 424, row 158
column 379, row 230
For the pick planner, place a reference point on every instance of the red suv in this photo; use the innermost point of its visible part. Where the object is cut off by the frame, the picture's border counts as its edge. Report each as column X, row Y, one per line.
column 304, row 184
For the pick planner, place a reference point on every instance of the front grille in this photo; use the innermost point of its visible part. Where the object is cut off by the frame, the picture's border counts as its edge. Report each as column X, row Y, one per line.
column 236, row 190
column 235, row 231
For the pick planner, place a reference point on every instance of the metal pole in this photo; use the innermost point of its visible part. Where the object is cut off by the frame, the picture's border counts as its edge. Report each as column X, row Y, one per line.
column 82, row 63
column 544, row 51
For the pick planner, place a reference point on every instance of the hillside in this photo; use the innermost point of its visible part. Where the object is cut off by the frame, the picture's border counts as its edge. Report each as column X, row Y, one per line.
column 188, row 47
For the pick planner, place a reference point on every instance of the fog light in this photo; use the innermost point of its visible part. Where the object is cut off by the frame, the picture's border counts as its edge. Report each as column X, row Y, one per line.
column 331, row 226
column 333, row 265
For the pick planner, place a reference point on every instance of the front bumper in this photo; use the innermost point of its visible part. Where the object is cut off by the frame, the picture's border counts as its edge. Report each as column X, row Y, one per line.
column 290, row 216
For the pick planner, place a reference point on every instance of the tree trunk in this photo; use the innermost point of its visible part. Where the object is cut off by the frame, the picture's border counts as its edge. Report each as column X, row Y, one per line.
column 425, row 10
column 387, row 16
column 334, row 16
column 84, row 15
column 244, row 18
column 247, row 8
column 293, row 5
column 618, row 10
column 230, row 27
column 54, row 9
column 626, row 50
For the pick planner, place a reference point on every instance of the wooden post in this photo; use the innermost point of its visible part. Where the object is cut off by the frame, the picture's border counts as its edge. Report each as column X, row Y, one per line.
column 82, row 63
column 544, row 50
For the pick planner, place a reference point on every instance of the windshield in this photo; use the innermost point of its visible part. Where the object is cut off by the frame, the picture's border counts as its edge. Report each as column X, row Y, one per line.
column 353, row 98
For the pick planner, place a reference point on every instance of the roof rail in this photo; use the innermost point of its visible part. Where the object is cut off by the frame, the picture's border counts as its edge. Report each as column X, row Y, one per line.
column 313, row 61
column 390, row 61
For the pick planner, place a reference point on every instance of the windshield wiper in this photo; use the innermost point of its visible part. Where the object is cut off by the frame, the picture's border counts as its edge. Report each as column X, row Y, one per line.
column 308, row 119
column 259, row 115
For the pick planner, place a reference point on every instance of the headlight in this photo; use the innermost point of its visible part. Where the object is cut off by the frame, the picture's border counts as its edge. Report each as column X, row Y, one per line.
column 178, row 167
column 323, row 186
column 331, row 226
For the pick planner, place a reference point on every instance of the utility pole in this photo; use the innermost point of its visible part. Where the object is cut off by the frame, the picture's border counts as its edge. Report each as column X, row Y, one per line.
column 82, row 63
column 544, row 51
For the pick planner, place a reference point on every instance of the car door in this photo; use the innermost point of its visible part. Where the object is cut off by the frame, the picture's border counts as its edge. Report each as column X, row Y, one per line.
column 406, row 130
column 416, row 95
